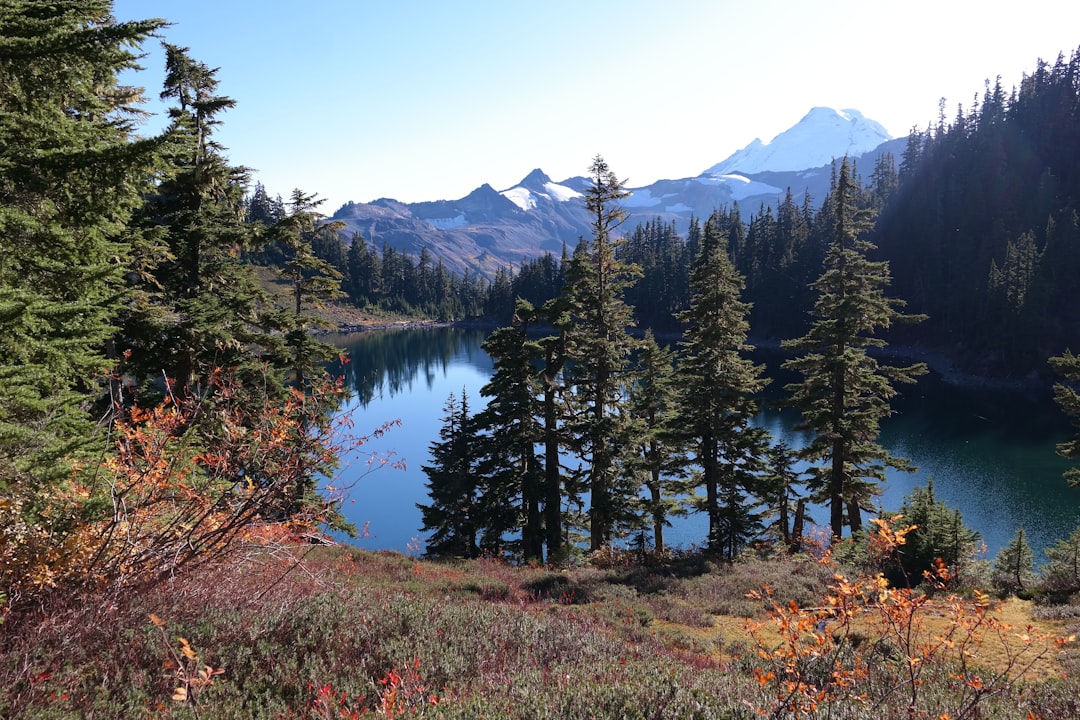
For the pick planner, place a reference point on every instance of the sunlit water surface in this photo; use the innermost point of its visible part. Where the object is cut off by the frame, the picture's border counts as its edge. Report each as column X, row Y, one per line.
column 990, row 453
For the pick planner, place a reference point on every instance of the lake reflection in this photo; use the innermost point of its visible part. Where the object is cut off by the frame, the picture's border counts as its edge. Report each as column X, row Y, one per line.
column 990, row 453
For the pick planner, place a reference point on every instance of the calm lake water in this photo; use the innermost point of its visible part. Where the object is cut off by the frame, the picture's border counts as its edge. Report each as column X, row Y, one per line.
column 990, row 453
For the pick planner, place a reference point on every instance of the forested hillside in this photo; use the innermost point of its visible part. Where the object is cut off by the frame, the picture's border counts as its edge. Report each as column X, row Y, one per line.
column 982, row 230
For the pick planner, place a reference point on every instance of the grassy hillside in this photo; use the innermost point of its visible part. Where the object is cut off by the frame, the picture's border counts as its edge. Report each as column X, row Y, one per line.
column 347, row 633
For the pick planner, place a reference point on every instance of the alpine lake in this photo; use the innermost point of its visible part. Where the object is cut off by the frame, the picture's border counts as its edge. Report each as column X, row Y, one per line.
column 989, row 451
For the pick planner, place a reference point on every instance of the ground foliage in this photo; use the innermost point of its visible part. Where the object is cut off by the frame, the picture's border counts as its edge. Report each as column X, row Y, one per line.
column 347, row 633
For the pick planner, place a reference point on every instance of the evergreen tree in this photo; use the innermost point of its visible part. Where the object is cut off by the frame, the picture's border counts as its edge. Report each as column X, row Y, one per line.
column 1014, row 567
column 600, row 347
column 213, row 305
column 782, row 501
column 1068, row 398
column 452, row 518
column 883, row 181
column 1061, row 573
column 718, row 383
column 538, row 280
column 1014, row 298
column 311, row 279
column 553, row 350
column 500, row 297
column 845, row 392
column 939, row 534
column 361, row 286
column 262, row 209
column 510, row 464
column 661, row 458
column 71, row 174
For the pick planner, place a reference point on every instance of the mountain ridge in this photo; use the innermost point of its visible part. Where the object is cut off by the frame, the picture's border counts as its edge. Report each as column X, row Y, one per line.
column 488, row 228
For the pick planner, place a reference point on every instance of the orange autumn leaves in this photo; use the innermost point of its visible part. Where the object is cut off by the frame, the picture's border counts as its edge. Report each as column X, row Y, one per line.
column 185, row 481
column 871, row 643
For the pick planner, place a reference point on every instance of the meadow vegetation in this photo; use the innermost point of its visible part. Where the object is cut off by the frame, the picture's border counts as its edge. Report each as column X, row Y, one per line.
column 335, row 632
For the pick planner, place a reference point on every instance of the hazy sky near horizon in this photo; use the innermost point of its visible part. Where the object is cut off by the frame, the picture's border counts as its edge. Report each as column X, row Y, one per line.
column 429, row 99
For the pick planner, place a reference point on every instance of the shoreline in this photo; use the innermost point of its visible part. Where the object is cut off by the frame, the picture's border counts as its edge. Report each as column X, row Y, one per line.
column 937, row 362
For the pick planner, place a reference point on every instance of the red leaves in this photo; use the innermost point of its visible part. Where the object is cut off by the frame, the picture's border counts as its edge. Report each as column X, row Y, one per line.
column 402, row 694
column 197, row 477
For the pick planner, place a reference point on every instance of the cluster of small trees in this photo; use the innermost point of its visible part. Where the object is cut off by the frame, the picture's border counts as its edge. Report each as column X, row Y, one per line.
column 648, row 426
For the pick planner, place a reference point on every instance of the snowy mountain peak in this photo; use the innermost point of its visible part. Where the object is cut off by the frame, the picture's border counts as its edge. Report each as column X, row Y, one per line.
column 823, row 135
column 536, row 186
column 535, row 180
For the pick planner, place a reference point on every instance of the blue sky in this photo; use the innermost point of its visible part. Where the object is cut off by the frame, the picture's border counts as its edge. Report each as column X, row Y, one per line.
column 428, row 99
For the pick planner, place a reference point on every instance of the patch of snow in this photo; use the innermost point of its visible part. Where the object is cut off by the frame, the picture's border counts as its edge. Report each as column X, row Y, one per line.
column 448, row 223
column 561, row 193
column 521, row 197
column 640, row 198
column 739, row 186
column 679, row 208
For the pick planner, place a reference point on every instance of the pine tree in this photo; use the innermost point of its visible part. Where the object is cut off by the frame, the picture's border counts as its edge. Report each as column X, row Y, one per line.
column 262, row 209
column 600, row 347
column 718, row 383
column 783, row 504
column 211, row 306
column 1068, row 398
column 311, row 280
column 661, row 457
column 553, row 350
column 1061, row 573
column 845, row 393
column 939, row 534
column 71, row 173
column 510, row 464
column 452, row 518
column 1014, row 567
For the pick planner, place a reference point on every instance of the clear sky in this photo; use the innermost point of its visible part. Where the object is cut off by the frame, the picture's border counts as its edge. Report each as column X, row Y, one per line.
column 429, row 99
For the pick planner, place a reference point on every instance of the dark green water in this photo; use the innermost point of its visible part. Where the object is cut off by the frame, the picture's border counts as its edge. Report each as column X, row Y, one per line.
column 989, row 452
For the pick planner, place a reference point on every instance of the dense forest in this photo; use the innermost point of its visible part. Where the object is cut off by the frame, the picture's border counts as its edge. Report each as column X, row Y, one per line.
column 662, row 430
column 659, row 430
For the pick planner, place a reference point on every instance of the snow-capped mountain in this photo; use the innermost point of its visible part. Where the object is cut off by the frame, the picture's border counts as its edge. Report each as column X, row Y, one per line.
column 821, row 136
column 537, row 189
column 488, row 229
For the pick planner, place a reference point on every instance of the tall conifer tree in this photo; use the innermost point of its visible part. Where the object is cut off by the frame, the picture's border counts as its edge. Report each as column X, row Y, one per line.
column 311, row 280
column 212, row 304
column 453, row 487
column 845, row 393
column 1068, row 398
column 71, row 173
column 718, row 383
column 510, row 463
column 661, row 456
column 599, row 345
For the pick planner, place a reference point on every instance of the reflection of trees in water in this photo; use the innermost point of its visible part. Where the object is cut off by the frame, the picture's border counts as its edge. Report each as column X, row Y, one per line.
column 990, row 452
column 389, row 361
